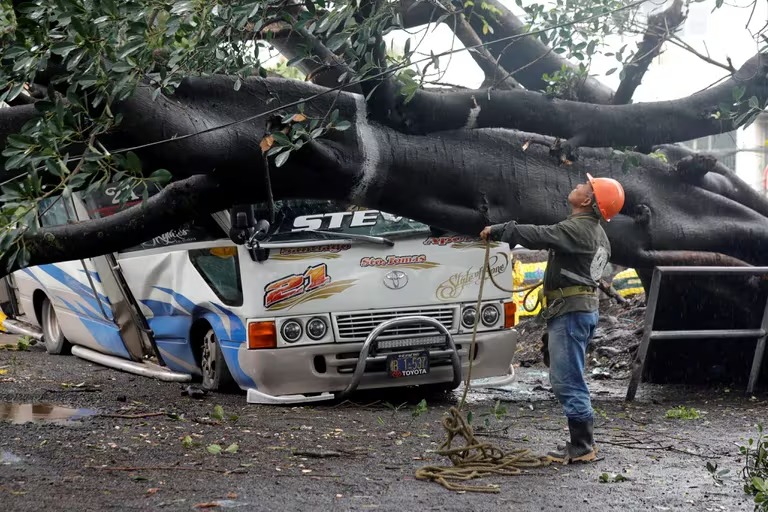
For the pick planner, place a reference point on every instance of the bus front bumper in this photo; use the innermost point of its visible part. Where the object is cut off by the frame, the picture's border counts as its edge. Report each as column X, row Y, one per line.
column 312, row 373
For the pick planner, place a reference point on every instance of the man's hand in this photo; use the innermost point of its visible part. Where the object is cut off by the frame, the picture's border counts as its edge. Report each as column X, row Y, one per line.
column 485, row 234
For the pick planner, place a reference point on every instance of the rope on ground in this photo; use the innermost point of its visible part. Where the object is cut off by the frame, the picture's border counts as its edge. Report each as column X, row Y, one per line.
column 474, row 459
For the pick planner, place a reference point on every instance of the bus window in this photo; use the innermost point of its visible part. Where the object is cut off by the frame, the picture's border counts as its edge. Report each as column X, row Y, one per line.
column 220, row 268
column 54, row 211
column 296, row 216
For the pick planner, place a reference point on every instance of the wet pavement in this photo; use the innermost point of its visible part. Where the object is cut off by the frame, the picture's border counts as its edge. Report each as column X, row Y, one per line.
column 150, row 448
column 41, row 413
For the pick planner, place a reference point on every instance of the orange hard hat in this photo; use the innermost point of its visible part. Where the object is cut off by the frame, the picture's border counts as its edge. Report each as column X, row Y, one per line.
column 609, row 196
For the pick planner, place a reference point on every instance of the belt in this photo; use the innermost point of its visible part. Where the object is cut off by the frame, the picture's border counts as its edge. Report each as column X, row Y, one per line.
column 569, row 291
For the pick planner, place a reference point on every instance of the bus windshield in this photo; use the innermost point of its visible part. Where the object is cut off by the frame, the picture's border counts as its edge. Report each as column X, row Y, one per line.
column 296, row 217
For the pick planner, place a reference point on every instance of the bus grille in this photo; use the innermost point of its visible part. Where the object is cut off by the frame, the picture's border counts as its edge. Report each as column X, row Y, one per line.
column 357, row 326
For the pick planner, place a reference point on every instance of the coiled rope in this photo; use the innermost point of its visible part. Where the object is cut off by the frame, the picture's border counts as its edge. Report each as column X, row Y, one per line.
column 476, row 459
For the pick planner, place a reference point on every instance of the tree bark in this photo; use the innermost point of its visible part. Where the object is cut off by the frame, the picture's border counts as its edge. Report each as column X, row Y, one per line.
column 528, row 54
column 174, row 205
column 660, row 27
column 642, row 124
column 460, row 180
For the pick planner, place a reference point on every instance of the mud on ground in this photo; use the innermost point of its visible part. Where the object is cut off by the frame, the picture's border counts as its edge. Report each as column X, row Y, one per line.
column 144, row 446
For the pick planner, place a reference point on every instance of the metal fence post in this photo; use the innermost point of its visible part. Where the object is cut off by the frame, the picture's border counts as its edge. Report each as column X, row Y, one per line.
column 757, row 361
column 642, row 351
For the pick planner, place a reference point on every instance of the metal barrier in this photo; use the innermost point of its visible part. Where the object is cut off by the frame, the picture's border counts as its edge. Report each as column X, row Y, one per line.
column 650, row 313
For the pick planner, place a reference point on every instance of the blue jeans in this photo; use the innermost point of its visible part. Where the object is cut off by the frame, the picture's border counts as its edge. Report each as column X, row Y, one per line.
column 569, row 335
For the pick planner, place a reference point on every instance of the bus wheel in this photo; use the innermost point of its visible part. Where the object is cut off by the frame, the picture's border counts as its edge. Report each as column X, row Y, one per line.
column 216, row 376
column 55, row 342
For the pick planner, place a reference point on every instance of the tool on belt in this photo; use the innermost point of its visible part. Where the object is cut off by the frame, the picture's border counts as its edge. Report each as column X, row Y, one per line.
column 552, row 301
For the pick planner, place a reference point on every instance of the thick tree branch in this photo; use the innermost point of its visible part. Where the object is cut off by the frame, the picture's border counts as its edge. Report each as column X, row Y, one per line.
column 660, row 27
column 321, row 66
column 528, row 54
column 643, row 124
column 718, row 179
column 13, row 118
column 457, row 180
column 174, row 205
column 495, row 75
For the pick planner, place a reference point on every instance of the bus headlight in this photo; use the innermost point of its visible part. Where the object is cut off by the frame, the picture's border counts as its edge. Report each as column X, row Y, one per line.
column 469, row 317
column 490, row 315
column 316, row 328
column 291, row 331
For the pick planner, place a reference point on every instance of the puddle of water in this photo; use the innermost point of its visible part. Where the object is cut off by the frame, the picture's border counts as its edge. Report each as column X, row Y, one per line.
column 40, row 413
column 7, row 458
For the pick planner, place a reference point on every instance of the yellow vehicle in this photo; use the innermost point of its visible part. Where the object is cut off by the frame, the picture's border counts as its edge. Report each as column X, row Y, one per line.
column 626, row 282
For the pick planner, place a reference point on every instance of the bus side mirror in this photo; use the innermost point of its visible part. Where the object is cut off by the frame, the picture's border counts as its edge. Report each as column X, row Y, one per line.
column 241, row 223
column 261, row 230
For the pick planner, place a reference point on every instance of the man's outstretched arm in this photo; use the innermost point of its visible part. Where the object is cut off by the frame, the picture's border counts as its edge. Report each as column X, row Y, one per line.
column 527, row 235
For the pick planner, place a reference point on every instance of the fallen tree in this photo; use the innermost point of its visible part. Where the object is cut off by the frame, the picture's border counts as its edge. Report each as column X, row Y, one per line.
column 455, row 159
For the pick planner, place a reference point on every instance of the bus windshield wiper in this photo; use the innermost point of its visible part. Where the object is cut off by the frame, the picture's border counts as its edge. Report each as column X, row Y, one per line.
column 379, row 240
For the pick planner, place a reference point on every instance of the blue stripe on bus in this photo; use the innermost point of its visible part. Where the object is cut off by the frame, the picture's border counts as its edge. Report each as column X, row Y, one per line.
column 76, row 286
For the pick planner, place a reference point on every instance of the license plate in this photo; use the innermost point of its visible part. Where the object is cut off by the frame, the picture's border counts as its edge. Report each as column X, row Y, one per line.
column 408, row 364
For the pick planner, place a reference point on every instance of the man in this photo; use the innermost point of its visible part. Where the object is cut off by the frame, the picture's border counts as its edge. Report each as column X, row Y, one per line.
column 578, row 253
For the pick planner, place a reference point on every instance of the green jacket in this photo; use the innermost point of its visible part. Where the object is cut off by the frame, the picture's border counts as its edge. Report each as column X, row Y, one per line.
column 578, row 253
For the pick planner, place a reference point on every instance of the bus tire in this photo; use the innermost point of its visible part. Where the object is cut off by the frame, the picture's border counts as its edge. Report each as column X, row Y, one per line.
column 53, row 337
column 216, row 375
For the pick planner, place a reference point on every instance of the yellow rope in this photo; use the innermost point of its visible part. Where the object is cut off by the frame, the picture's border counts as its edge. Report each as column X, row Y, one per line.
column 528, row 288
column 474, row 459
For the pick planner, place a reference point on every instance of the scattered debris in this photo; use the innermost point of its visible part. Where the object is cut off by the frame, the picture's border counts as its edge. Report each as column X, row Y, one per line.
column 318, row 454
column 194, row 392
column 610, row 478
column 682, row 412
column 7, row 458
column 600, row 373
column 133, row 416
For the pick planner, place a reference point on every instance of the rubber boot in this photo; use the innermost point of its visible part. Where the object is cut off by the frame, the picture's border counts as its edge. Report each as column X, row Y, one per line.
column 581, row 448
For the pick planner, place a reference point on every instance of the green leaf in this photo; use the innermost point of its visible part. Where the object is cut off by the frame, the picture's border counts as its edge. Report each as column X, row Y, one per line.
column 336, row 41
column 187, row 442
column 218, row 413
column 610, row 71
column 161, row 176
column 132, row 162
column 130, row 49
column 16, row 161
column 63, row 48
column 213, row 449
column 281, row 139
column 470, row 416
column 737, row 92
column 14, row 52
column 122, row 67
column 232, row 448
column 282, row 158
column 342, row 125
column 75, row 59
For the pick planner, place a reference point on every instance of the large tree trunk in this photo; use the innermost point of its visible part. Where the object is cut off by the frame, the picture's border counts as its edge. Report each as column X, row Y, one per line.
column 459, row 179
column 686, row 211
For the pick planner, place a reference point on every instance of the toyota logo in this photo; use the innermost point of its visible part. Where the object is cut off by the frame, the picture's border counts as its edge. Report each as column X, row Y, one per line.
column 395, row 280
